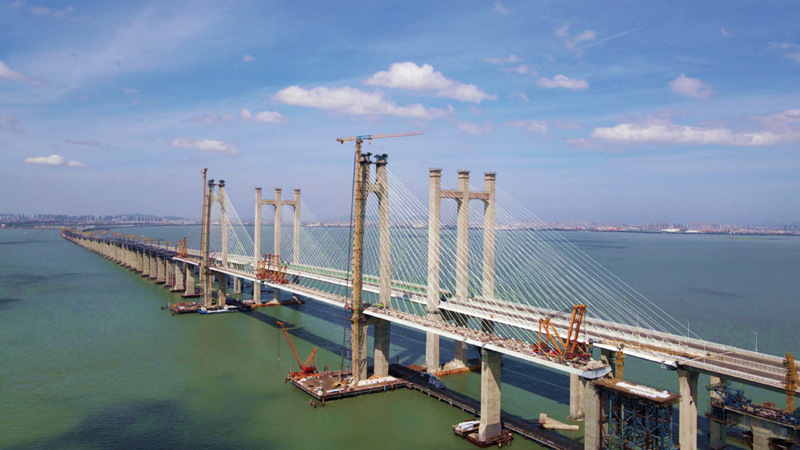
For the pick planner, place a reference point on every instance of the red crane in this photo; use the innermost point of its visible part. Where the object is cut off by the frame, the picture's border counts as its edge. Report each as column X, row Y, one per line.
column 305, row 367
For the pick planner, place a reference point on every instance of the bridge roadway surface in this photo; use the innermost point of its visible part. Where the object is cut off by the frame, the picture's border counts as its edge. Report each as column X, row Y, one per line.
column 670, row 350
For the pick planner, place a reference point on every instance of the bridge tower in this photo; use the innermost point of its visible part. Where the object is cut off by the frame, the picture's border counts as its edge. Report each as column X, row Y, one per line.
column 491, row 361
column 462, row 196
column 364, row 187
column 207, row 276
column 278, row 202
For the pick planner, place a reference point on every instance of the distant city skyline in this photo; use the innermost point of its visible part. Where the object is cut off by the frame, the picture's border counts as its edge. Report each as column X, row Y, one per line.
column 54, row 220
column 632, row 113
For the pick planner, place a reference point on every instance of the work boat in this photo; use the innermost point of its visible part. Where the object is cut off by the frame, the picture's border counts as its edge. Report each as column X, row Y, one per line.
column 217, row 310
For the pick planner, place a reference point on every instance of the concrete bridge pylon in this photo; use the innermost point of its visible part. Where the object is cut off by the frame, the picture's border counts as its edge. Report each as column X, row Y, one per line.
column 490, row 425
column 278, row 202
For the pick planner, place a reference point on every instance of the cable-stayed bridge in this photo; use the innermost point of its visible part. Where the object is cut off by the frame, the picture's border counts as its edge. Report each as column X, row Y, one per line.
column 491, row 277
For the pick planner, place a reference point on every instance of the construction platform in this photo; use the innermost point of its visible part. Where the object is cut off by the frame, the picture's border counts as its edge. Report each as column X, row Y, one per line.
column 184, row 308
column 332, row 385
column 326, row 386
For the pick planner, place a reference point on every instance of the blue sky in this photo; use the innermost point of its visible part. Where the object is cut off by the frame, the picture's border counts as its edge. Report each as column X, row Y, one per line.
column 626, row 111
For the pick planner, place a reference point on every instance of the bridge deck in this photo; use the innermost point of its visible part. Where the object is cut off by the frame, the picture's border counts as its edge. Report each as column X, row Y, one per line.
column 712, row 358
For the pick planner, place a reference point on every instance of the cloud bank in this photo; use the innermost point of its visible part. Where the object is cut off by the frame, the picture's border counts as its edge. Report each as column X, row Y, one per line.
column 407, row 75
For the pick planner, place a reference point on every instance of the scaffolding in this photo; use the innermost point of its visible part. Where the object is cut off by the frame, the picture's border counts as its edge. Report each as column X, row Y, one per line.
column 635, row 416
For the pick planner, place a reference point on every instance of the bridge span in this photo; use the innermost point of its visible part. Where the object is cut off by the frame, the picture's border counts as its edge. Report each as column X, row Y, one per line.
column 493, row 325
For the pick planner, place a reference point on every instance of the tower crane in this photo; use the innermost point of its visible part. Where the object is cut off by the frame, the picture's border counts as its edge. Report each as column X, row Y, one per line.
column 369, row 137
column 359, row 360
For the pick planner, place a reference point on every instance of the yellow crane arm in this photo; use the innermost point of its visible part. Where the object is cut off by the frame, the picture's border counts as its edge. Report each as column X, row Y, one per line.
column 366, row 137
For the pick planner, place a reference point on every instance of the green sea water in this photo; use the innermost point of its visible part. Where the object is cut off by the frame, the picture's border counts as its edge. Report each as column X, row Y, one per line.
column 90, row 360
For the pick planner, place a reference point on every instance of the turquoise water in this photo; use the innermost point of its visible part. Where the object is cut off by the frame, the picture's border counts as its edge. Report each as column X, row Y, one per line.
column 89, row 359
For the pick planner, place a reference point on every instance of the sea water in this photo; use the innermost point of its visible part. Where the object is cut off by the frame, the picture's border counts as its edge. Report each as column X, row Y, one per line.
column 89, row 359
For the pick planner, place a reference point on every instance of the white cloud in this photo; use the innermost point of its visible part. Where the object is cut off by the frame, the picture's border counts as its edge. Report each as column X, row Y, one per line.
column 212, row 119
column 535, row 126
column 561, row 81
column 353, row 101
column 474, row 128
column 522, row 69
column 16, row 4
column 248, row 58
column 790, row 49
column 7, row 73
column 53, row 160
column 407, row 75
column 204, row 145
column 571, row 41
column 690, row 87
column 498, row 7
column 723, row 31
column 130, row 91
column 666, row 132
column 11, row 124
column 263, row 116
column 520, row 95
column 59, row 13
column 510, row 59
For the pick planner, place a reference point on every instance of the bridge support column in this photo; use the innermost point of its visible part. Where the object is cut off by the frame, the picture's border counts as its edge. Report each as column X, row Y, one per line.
column 717, row 432
column 222, row 293
column 179, row 282
column 256, row 292
column 140, row 264
column 490, row 426
column 189, row 271
column 144, row 267
column 591, row 430
column 431, row 350
column 161, row 270
column 153, row 262
column 577, row 397
column 688, row 409
column 460, row 358
column 237, row 285
column 169, row 271
column 381, row 353
column 360, row 365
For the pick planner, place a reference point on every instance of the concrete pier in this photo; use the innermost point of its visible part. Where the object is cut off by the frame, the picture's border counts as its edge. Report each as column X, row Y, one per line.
column 381, row 347
column 146, row 268
column 577, row 397
column 687, row 433
column 592, row 415
column 490, row 426
column 188, row 270
column 179, row 283
column 161, row 270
